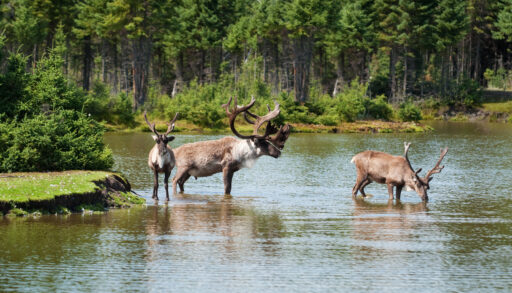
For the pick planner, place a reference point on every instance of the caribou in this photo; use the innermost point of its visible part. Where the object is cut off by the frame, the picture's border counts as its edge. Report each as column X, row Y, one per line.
column 161, row 158
column 229, row 154
column 394, row 171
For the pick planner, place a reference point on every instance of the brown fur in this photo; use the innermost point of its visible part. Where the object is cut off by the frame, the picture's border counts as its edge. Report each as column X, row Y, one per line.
column 394, row 171
column 228, row 154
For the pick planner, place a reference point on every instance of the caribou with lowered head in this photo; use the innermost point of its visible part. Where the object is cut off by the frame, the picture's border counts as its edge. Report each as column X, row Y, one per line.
column 229, row 154
column 161, row 158
column 392, row 170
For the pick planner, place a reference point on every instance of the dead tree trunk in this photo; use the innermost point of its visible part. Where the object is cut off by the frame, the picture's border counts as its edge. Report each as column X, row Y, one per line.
column 340, row 79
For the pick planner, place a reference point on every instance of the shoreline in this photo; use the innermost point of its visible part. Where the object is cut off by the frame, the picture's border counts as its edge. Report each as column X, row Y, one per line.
column 361, row 126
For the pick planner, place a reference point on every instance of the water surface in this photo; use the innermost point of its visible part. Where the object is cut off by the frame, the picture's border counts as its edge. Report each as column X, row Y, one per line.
column 291, row 224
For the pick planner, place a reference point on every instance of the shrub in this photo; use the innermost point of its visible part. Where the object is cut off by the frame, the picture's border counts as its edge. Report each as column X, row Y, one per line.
column 351, row 102
column 409, row 112
column 102, row 106
column 379, row 108
column 59, row 141
column 379, row 85
column 469, row 92
column 498, row 79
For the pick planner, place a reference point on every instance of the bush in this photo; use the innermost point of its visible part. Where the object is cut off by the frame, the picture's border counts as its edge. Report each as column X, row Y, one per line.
column 409, row 112
column 469, row 93
column 379, row 85
column 379, row 108
column 104, row 107
column 63, row 140
column 351, row 102
column 499, row 79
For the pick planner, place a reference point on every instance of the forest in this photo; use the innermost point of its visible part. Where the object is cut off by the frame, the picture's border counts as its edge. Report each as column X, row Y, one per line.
column 399, row 48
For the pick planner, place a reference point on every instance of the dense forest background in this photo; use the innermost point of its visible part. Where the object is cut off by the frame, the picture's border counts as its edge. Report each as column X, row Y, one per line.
column 401, row 48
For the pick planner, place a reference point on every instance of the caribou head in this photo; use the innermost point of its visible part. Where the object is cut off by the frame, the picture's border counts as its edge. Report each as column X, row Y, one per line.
column 422, row 184
column 267, row 144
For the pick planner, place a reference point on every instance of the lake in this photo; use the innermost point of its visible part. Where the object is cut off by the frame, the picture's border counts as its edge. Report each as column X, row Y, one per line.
column 290, row 225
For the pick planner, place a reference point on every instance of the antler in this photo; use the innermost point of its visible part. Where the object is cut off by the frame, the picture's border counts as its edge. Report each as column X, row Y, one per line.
column 436, row 168
column 407, row 145
column 151, row 126
column 171, row 124
column 237, row 110
column 270, row 129
column 267, row 118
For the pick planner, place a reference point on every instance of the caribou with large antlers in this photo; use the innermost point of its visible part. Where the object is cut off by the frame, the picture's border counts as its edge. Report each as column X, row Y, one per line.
column 161, row 158
column 394, row 171
column 229, row 154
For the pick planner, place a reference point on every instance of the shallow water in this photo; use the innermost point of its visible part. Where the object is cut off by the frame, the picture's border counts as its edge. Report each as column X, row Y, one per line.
column 291, row 224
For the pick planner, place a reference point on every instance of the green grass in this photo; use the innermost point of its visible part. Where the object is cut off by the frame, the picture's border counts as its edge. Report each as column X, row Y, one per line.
column 22, row 187
column 501, row 107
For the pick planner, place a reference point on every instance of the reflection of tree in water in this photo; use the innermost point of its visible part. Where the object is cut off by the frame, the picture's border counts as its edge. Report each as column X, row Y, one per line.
column 200, row 220
column 377, row 226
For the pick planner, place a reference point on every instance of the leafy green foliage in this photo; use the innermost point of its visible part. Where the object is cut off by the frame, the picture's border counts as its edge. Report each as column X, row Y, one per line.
column 103, row 106
column 42, row 127
column 379, row 108
column 46, row 89
column 499, row 79
column 469, row 93
column 409, row 112
column 350, row 105
column 59, row 141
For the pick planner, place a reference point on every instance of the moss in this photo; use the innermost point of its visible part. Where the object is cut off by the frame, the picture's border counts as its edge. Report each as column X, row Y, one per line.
column 62, row 210
column 126, row 199
column 459, row 118
column 17, row 212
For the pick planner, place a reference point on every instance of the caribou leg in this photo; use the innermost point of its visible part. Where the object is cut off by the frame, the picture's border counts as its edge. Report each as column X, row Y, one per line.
column 179, row 174
column 398, row 191
column 366, row 182
column 166, row 184
column 228, row 177
column 359, row 181
column 182, row 180
column 155, row 185
column 390, row 190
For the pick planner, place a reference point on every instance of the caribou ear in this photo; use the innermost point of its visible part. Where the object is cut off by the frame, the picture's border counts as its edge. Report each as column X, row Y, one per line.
column 430, row 179
column 155, row 138
column 169, row 138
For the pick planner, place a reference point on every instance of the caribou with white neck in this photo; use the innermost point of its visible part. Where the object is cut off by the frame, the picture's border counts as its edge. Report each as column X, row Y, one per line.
column 229, row 154
column 161, row 158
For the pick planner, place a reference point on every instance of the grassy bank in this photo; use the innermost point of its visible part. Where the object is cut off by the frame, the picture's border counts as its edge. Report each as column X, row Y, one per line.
column 362, row 126
column 63, row 192
column 490, row 112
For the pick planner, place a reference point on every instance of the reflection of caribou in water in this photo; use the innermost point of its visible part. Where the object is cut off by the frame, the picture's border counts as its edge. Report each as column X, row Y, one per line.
column 374, row 225
column 205, row 219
